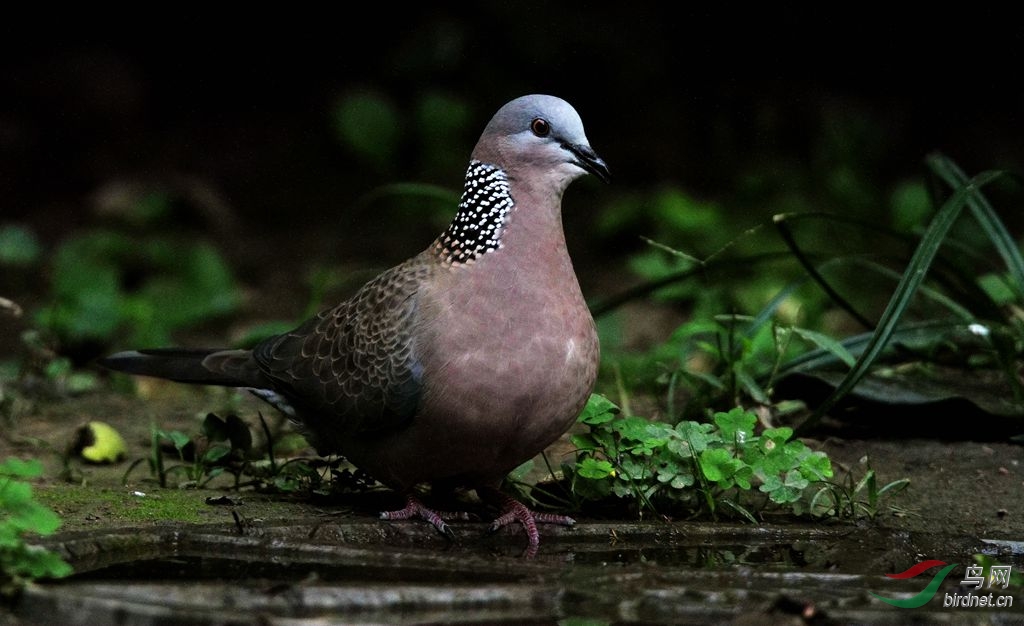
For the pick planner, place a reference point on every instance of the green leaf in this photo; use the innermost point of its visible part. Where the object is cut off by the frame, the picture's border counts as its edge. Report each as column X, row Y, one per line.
column 779, row 435
column 696, row 435
column 238, row 433
column 736, row 425
column 910, row 204
column 796, row 480
column 584, row 442
column 751, row 387
column 827, row 344
column 684, row 214
column 37, row 562
column 816, row 466
column 638, row 429
column 669, row 468
column 178, row 438
column 519, row 474
column 775, row 458
column 598, row 411
column 633, row 468
column 216, row 453
column 19, row 246
column 368, row 124
column 986, row 216
column 606, row 439
column 19, row 468
column 743, row 476
column 590, row 467
column 214, row 428
column 718, row 464
column 682, row 481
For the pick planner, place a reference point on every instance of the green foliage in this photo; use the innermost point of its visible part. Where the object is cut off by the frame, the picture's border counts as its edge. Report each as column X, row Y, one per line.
column 225, row 446
column 105, row 283
column 953, row 304
column 666, row 214
column 727, row 360
column 380, row 132
column 19, row 246
column 691, row 467
column 22, row 515
column 368, row 124
column 911, row 282
column 222, row 445
column 855, row 497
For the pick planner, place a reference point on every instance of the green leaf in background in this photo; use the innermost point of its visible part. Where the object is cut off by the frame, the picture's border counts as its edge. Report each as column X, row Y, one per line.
column 736, row 425
column 718, row 464
column 681, row 212
column 598, row 410
column 441, row 121
column 105, row 283
column 198, row 287
column 594, row 468
column 911, row 205
column 18, row 468
column 697, row 435
column 19, row 246
column 368, row 124
column 21, row 515
column 826, row 343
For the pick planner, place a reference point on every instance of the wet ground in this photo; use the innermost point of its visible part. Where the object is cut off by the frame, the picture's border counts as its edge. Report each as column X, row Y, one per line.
column 143, row 554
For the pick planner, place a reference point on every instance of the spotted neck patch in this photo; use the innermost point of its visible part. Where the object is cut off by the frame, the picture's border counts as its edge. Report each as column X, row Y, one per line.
column 480, row 221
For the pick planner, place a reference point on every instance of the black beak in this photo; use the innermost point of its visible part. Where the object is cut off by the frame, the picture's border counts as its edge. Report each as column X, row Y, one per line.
column 588, row 160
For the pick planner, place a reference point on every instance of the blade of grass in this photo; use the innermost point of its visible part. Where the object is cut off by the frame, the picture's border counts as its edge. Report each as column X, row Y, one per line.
column 782, row 225
column 932, row 294
column 986, row 216
column 820, row 358
column 913, row 276
column 766, row 314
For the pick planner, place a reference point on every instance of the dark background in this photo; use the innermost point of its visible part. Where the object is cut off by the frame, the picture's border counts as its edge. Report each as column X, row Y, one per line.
column 241, row 109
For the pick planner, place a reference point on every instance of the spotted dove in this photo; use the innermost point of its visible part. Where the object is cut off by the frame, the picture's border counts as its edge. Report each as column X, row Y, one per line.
column 459, row 364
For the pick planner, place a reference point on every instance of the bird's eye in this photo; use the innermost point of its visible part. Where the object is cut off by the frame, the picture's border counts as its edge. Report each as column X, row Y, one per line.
column 540, row 127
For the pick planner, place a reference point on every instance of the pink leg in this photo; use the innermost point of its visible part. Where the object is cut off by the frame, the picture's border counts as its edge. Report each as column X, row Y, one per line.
column 415, row 508
column 513, row 510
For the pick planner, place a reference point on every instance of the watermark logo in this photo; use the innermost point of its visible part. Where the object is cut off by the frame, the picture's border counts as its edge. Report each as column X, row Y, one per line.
column 974, row 580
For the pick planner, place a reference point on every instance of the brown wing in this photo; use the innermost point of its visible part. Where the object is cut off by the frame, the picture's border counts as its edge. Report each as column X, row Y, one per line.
column 353, row 369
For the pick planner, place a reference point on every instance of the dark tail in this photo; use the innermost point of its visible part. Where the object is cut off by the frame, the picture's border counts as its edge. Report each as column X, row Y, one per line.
column 228, row 368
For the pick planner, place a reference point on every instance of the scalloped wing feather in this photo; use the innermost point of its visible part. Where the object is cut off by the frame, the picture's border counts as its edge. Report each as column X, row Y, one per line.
column 353, row 369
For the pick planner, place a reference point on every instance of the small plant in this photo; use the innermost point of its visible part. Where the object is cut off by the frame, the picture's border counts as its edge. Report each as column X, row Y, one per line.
column 222, row 445
column 738, row 357
column 855, row 497
column 692, row 466
column 20, row 515
column 226, row 446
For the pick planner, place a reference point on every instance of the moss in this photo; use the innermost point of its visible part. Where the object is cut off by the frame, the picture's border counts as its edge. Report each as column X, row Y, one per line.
column 81, row 507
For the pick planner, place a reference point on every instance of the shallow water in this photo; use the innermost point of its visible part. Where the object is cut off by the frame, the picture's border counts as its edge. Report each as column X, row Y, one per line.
column 371, row 572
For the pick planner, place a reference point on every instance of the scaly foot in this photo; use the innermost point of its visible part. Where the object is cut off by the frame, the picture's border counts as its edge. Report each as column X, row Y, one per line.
column 415, row 508
column 513, row 510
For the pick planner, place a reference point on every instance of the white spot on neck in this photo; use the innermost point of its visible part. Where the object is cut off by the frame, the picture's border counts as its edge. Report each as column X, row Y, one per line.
column 480, row 221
